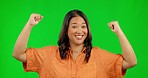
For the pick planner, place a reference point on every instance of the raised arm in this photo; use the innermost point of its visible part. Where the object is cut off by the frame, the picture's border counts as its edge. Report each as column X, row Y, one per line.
column 127, row 50
column 20, row 45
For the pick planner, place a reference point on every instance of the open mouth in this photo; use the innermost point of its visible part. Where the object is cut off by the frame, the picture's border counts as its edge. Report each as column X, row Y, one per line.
column 79, row 36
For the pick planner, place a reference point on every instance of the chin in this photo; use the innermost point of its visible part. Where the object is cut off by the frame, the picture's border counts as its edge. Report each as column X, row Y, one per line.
column 79, row 43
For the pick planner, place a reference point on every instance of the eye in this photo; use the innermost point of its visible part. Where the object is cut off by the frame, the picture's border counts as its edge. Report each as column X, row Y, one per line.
column 74, row 26
column 84, row 26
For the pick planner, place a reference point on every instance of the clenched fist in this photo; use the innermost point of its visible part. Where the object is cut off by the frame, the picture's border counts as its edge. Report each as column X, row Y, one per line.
column 34, row 19
column 114, row 26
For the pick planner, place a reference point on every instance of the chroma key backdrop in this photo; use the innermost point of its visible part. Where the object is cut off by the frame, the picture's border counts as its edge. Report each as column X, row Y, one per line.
column 132, row 16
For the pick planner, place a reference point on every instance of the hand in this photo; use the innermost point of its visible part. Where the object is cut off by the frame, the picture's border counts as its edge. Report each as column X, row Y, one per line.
column 34, row 19
column 114, row 26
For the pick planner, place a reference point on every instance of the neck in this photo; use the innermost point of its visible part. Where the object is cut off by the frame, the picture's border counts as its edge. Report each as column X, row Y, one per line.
column 77, row 48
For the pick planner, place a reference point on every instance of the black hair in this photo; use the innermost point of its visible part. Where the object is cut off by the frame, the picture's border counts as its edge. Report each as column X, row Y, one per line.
column 63, row 41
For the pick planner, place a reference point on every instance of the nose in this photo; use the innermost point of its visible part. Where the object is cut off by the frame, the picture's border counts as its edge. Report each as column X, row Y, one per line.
column 79, row 30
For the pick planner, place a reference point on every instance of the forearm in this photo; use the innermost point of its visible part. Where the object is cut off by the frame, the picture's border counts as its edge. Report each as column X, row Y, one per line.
column 21, row 43
column 22, row 40
column 127, row 51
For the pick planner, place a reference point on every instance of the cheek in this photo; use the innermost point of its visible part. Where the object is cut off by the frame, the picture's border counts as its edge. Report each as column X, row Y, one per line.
column 70, row 33
column 86, row 31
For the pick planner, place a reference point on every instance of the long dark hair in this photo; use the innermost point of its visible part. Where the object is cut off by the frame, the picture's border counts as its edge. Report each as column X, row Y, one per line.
column 63, row 41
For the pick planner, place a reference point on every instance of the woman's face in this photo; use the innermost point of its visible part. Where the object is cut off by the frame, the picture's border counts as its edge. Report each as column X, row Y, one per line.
column 77, row 31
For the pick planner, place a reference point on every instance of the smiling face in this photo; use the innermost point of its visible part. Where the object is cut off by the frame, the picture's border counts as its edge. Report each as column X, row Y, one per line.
column 77, row 31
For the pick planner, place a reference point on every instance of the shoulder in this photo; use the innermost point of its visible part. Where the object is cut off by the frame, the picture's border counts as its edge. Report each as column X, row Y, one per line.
column 101, row 52
column 45, row 49
column 97, row 50
column 48, row 51
column 105, row 56
column 50, row 48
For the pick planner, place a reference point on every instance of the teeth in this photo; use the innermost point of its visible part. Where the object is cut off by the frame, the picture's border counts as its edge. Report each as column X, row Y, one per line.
column 78, row 36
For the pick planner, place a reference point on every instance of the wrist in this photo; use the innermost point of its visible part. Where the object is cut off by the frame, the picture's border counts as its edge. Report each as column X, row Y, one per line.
column 119, row 33
column 28, row 25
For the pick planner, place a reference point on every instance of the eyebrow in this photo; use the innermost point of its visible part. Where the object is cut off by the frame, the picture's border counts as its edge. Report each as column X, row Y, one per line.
column 76, row 23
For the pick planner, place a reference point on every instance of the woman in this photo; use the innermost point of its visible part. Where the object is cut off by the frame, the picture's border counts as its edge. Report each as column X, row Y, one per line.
column 74, row 57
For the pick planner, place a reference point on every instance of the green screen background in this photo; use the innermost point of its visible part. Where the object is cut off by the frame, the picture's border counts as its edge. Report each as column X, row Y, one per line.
column 131, row 14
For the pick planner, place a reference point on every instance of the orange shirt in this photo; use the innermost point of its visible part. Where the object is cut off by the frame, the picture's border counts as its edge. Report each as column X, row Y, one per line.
column 47, row 63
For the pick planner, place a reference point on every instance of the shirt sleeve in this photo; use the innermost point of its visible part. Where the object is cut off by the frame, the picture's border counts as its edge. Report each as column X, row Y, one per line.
column 113, row 64
column 35, row 58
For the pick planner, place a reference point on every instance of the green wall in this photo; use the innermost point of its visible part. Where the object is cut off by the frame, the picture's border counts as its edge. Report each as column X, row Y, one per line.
column 131, row 14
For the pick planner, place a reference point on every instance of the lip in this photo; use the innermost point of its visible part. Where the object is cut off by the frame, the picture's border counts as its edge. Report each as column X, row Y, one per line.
column 79, row 37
